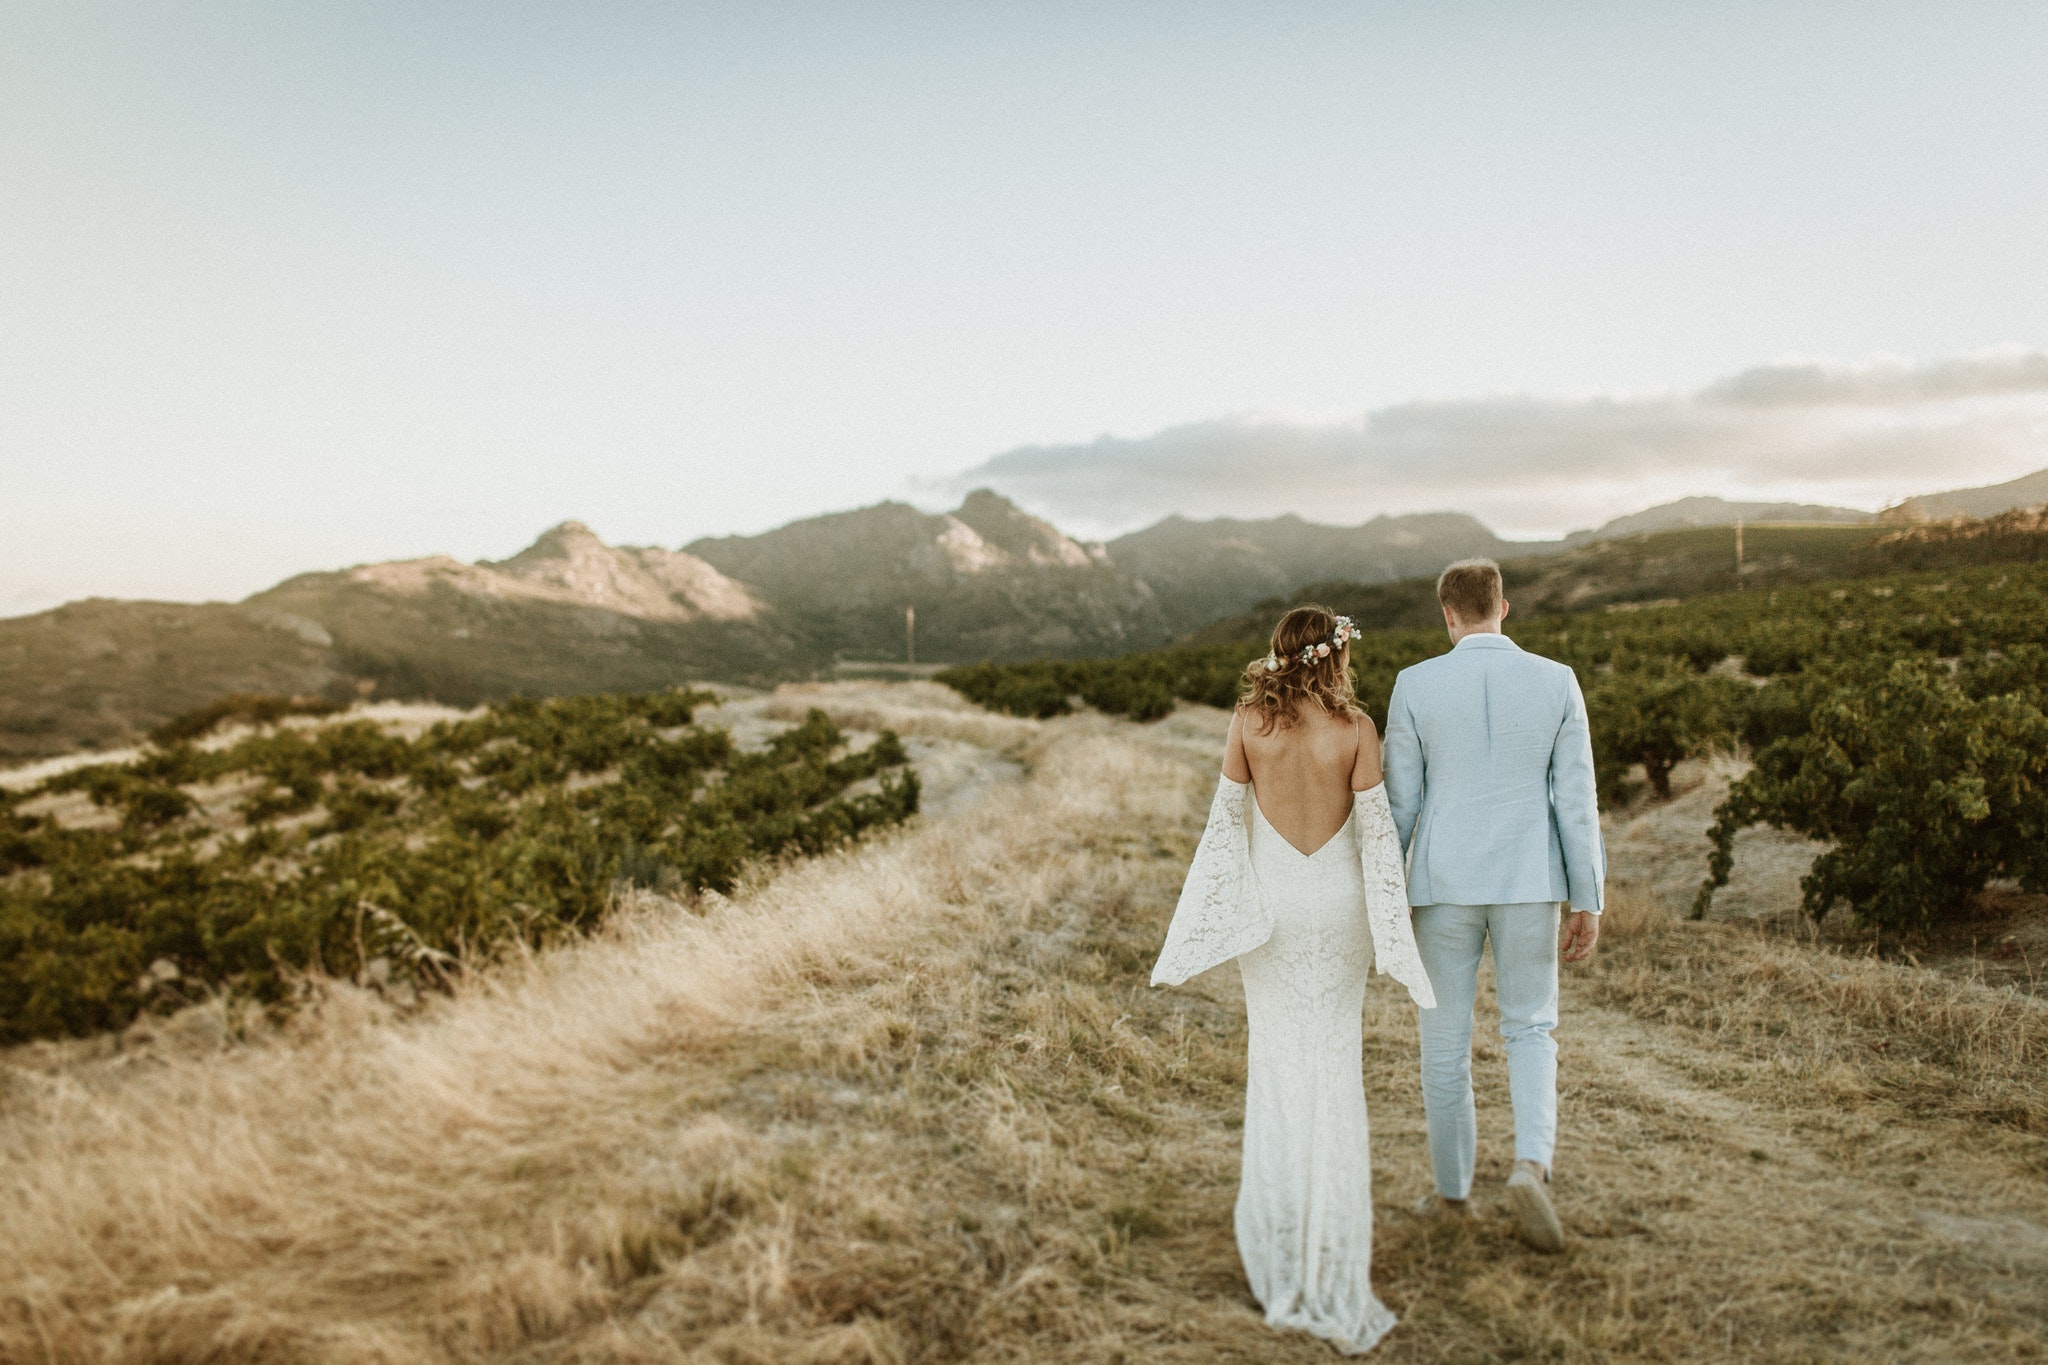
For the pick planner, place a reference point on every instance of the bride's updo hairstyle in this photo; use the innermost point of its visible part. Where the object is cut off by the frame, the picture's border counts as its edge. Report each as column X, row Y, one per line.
column 1274, row 689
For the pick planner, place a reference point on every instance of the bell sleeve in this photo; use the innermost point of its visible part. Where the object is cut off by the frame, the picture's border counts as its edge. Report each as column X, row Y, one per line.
column 1219, row 916
column 1386, row 895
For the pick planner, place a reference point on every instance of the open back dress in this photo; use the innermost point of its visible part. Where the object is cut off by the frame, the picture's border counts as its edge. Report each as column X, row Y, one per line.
column 1305, row 928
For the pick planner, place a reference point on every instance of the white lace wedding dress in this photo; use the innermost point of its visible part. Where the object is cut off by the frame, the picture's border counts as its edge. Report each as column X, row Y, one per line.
column 1304, row 928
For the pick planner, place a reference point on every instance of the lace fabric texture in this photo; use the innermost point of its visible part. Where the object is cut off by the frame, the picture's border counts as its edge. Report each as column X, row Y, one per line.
column 1306, row 931
column 1304, row 1202
column 1386, row 894
column 1219, row 916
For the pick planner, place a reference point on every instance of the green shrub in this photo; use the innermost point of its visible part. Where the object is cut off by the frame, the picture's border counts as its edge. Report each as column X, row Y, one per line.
column 1924, row 792
column 1658, row 718
column 1036, row 690
column 1901, row 719
column 250, row 708
column 513, row 825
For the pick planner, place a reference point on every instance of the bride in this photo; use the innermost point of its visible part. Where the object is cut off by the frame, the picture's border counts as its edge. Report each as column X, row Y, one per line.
column 1299, row 877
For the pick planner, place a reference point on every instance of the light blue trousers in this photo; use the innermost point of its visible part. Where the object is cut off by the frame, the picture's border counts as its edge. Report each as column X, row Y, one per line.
column 1450, row 938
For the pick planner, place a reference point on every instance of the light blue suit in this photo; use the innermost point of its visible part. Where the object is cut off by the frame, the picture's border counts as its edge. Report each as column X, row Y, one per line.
column 1489, row 770
column 1490, row 774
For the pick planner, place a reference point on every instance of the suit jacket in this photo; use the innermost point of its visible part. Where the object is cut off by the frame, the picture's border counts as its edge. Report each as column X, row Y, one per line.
column 1489, row 766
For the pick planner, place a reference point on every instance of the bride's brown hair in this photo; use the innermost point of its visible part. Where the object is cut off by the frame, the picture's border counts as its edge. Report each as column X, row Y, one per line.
column 1274, row 688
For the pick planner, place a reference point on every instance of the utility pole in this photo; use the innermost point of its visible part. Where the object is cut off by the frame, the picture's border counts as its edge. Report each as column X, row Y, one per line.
column 910, row 634
column 1738, row 552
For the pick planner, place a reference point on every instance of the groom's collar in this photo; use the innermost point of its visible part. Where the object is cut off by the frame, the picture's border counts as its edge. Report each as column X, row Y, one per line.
column 1485, row 639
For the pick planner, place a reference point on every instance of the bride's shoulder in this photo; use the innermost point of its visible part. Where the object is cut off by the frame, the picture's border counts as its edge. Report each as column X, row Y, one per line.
column 1248, row 719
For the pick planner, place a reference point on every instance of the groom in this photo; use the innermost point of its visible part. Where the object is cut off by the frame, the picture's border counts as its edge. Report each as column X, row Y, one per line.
column 1489, row 769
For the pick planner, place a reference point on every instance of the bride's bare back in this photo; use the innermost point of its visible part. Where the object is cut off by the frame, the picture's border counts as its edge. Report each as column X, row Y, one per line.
column 1303, row 774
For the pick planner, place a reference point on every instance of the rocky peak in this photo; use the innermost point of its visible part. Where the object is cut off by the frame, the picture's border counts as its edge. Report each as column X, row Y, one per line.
column 1003, row 526
column 569, row 563
column 571, row 557
column 570, row 541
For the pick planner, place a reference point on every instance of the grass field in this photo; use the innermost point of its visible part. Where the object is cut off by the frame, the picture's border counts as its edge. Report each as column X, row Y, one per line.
column 914, row 1102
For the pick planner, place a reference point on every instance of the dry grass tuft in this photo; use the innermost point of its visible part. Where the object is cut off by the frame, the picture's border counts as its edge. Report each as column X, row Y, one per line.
column 1942, row 1045
column 1631, row 913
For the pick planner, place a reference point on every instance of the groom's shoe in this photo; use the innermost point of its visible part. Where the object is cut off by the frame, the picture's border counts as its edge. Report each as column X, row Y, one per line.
column 1439, row 1206
column 1529, row 1191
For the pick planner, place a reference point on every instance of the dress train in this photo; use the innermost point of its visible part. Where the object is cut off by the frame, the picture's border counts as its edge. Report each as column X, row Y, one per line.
column 1304, row 928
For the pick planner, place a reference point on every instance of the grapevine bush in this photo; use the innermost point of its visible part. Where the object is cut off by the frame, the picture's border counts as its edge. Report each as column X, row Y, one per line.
column 1927, row 782
column 1658, row 717
column 1897, row 718
column 348, row 850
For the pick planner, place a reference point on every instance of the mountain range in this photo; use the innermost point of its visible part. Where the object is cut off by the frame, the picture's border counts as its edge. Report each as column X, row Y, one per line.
column 571, row 613
column 1200, row 570
column 2029, row 490
column 1671, row 516
column 985, row 580
column 568, row 614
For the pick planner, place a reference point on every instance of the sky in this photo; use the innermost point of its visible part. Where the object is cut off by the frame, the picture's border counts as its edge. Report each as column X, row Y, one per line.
column 294, row 286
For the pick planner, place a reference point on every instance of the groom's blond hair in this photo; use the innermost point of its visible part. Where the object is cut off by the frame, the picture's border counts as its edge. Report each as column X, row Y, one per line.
column 1471, row 590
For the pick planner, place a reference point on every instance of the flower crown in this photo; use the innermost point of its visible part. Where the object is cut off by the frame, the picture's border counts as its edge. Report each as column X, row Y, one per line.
column 1341, row 636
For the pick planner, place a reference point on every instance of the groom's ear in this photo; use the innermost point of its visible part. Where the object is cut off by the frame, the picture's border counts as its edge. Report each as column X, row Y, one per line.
column 1503, row 608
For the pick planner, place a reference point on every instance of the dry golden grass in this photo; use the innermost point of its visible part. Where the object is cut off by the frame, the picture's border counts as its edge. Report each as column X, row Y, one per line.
column 916, row 1103
column 522, row 1161
column 1941, row 1046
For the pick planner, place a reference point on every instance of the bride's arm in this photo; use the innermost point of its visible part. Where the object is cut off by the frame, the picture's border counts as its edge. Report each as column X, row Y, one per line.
column 1386, row 895
column 1236, row 766
column 1218, row 916
column 1365, row 772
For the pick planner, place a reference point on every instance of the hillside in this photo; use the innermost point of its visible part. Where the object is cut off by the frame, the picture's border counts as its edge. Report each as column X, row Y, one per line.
column 2019, row 536
column 571, row 614
column 567, row 615
column 915, row 1102
column 1657, row 566
column 991, row 582
column 1689, row 562
column 1674, row 566
column 986, row 581
column 1201, row 570
column 98, row 673
column 2029, row 490
column 1671, row 516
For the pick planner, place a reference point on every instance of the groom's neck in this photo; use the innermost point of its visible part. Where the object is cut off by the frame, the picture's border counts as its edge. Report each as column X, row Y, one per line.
column 1460, row 629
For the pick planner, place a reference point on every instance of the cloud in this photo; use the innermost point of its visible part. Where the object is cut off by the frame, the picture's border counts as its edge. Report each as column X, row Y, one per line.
column 1858, row 436
column 1883, row 382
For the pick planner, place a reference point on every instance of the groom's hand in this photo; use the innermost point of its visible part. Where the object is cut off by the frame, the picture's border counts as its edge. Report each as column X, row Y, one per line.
column 1581, row 932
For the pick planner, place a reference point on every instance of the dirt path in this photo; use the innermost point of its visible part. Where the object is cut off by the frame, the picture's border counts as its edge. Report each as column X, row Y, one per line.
column 1862, row 1233
column 1705, row 1224
column 1725, row 1201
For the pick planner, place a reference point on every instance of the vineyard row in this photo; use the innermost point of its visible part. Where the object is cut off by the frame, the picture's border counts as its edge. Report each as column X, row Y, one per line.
column 1903, row 720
